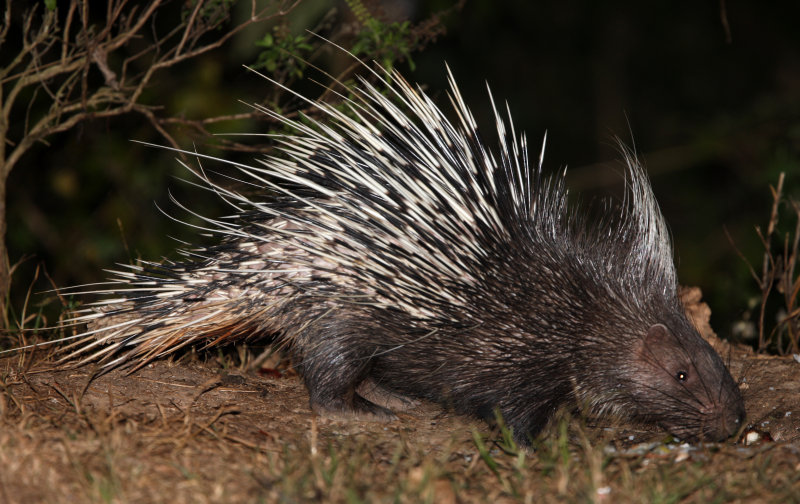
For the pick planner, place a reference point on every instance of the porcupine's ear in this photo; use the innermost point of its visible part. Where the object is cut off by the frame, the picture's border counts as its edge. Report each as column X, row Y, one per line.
column 657, row 336
column 657, row 333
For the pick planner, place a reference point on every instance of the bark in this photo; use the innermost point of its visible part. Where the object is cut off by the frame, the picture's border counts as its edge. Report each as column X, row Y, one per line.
column 4, row 262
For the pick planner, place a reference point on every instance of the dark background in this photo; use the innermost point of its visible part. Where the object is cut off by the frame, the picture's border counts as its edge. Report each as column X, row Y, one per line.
column 715, row 121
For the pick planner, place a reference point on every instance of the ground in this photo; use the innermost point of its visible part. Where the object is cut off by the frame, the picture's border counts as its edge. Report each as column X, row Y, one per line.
column 191, row 431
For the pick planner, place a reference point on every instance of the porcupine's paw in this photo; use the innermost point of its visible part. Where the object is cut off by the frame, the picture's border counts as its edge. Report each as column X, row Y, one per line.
column 382, row 396
column 336, row 361
column 357, row 408
column 526, row 422
column 333, row 392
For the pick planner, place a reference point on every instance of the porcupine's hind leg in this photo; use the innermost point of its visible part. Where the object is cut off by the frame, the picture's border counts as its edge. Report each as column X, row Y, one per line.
column 335, row 364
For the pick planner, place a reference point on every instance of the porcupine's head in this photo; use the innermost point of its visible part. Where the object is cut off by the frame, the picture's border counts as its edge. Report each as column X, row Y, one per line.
column 679, row 381
column 655, row 365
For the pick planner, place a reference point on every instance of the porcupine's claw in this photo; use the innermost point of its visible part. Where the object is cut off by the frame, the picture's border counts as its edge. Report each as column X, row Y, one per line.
column 356, row 408
column 371, row 390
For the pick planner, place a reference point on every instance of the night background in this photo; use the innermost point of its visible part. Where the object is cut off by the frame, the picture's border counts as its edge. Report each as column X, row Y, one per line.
column 709, row 92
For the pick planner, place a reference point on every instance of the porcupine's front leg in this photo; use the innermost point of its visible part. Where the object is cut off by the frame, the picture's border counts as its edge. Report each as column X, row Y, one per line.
column 335, row 364
column 528, row 420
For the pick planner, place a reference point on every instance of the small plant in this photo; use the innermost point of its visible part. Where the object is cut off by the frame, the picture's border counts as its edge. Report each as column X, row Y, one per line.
column 392, row 42
column 777, row 276
column 284, row 51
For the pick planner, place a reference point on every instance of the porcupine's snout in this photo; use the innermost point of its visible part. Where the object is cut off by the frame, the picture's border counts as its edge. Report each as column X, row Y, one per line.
column 729, row 414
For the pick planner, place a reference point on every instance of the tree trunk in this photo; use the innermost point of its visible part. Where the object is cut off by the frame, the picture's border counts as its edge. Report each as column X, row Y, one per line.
column 4, row 261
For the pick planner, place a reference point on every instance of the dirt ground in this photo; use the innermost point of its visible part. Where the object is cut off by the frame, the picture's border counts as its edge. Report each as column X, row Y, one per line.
column 190, row 431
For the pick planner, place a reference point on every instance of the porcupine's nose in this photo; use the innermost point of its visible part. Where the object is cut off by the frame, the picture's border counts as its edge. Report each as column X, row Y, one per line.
column 731, row 418
column 734, row 419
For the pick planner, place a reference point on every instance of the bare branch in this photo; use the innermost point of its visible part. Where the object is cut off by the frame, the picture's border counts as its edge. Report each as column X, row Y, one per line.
column 188, row 30
column 92, row 50
column 66, row 31
column 6, row 23
column 157, row 125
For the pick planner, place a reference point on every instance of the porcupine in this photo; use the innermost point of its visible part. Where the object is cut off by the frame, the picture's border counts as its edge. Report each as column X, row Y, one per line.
column 404, row 258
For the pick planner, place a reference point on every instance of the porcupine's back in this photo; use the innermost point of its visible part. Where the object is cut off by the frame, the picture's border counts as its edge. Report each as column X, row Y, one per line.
column 419, row 262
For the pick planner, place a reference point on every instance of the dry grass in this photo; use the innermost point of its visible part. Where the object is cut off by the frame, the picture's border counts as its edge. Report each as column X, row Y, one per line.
column 777, row 281
column 188, row 432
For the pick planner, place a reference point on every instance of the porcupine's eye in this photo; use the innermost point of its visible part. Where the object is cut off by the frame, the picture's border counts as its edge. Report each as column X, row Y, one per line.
column 682, row 376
